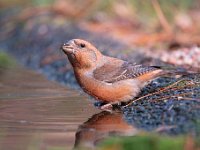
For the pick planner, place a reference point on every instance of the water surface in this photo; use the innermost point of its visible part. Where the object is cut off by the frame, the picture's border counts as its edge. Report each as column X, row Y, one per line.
column 39, row 114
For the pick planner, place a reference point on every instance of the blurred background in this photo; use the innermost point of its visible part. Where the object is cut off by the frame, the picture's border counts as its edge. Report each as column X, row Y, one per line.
column 38, row 114
column 120, row 28
column 143, row 23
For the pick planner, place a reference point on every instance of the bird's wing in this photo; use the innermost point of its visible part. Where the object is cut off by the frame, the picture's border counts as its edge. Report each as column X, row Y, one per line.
column 111, row 73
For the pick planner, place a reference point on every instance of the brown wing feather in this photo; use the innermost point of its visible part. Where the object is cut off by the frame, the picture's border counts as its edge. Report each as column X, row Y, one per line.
column 106, row 72
column 111, row 73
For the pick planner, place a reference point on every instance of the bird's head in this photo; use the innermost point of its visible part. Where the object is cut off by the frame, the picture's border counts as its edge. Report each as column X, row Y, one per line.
column 81, row 54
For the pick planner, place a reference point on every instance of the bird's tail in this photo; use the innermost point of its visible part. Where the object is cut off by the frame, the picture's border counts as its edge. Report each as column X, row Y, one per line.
column 161, row 71
column 172, row 70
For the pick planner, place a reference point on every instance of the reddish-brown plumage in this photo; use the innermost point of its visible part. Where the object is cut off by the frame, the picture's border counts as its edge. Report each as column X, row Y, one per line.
column 108, row 79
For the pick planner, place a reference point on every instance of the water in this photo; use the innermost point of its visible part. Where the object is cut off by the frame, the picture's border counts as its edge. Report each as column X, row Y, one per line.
column 39, row 114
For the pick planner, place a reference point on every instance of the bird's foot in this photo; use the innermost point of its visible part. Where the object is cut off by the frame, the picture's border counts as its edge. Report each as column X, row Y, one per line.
column 107, row 107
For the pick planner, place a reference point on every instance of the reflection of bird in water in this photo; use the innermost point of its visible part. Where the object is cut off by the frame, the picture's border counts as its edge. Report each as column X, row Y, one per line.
column 101, row 126
column 107, row 79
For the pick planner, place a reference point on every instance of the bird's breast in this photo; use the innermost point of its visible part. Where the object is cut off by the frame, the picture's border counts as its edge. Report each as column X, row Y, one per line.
column 109, row 92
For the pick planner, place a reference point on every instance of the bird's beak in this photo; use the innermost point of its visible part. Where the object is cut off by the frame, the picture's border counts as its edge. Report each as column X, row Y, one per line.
column 68, row 47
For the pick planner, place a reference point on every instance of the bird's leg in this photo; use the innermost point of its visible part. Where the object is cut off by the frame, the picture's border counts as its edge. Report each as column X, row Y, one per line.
column 104, row 106
column 116, row 107
column 107, row 107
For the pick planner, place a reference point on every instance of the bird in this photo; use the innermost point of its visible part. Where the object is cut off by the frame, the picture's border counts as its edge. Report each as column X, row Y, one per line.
column 107, row 79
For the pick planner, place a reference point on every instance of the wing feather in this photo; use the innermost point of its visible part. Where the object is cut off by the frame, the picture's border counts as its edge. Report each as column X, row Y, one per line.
column 112, row 73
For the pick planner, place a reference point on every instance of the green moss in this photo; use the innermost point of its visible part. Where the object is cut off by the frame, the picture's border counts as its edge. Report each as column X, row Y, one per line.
column 145, row 142
column 57, row 148
column 6, row 61
column 42, row 2
column 197, row 140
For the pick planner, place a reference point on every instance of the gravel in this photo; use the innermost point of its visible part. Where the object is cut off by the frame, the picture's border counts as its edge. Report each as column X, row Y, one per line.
column 180, row 113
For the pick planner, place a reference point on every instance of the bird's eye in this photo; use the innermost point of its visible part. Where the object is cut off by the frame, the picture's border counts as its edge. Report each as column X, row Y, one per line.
column 82, row 45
